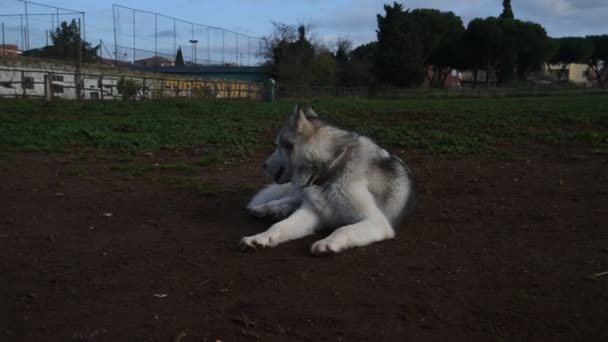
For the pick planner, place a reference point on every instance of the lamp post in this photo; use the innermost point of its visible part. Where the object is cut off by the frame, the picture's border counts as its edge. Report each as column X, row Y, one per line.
column 193, row 42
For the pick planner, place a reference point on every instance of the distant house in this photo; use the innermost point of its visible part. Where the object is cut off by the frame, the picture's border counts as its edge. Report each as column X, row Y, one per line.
column 452, row 80
column 156, row 61
column 109, row 61
column 574, row 72
column 603, row 76
column 469, row 78
column 9, row 50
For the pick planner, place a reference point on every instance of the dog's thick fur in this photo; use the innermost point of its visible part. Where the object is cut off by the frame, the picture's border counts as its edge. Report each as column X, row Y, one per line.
column 327, row 177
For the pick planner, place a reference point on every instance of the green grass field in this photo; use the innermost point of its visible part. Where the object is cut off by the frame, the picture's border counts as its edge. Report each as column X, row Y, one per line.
column 435, row 125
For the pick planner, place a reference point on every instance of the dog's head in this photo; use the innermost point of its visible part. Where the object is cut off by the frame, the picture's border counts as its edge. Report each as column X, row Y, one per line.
column 287, row 162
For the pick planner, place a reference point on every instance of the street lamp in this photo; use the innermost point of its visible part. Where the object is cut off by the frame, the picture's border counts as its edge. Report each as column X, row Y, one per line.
column 193, row 42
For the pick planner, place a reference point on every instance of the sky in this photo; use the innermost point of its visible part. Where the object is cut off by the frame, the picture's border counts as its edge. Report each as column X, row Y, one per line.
column 329, row 20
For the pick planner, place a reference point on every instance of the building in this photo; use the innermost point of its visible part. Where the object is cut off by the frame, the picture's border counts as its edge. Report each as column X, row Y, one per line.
column 573, row 72
column 470, row 78
column 452, row 79
column 154, row 61
column 108, row 61
column 9, row 50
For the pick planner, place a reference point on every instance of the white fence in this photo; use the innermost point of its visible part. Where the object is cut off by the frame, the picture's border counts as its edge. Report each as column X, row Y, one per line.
column 20, row 81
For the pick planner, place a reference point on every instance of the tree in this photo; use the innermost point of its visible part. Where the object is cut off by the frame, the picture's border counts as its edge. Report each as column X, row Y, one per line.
column 508, row 51
column 343, row 50
column 399, row 57
column 407, row 40
column 66, row 40
column 179, row 58
column 483, row 43
column 534, row 48
column 507, row 11
column 290, row 54
column 507, row 47
column 571, row 50
column 445, row 55
column 324, row 68
column 598, row 61
column 359, row 71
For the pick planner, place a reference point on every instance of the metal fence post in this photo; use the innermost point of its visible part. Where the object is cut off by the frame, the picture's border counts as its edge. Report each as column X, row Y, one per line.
column 48, row 89
column 101, row 90
column 23, row 82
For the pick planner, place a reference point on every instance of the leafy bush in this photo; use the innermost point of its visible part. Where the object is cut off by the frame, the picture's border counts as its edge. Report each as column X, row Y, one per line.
column 128, row 88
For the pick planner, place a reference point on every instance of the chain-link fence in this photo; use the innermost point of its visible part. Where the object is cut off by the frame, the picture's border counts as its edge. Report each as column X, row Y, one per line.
column 27, row 25
column 140, row 35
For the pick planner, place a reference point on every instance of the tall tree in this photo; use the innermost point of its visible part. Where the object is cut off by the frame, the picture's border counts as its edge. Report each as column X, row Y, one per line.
column 598, row 61
column 534, row 48
column 483, row 42
column 507, row 11
column 445, row 55
column 66, row 40
column 359, row 70
column 508, row 51
column 179, row 58
column 399, row 59
column 408, row 39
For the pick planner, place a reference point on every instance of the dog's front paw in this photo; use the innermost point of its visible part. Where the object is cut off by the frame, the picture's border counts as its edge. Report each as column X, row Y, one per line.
column 325, row 246
column 261, row 240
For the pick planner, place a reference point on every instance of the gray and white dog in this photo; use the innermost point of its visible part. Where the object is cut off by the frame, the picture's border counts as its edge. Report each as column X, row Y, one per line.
column 327, row 177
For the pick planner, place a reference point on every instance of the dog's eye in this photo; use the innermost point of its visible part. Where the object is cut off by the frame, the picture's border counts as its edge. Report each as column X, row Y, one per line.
column 288, row 145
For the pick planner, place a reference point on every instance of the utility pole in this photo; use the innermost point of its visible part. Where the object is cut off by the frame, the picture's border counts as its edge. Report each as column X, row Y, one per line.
column 78, row 65
column 115, row 42
column 84, row 27
column 174, row 38
column 193, row 42
column 133, row 37
column 22, row 31
column 27, row 27
column 156, row 38
column 3, row 43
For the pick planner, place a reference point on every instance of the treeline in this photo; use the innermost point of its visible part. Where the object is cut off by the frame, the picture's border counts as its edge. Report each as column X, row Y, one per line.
column 424, row 45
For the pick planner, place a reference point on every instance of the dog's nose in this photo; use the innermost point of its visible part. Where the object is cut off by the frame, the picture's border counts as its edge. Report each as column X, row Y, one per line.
column 264, row 166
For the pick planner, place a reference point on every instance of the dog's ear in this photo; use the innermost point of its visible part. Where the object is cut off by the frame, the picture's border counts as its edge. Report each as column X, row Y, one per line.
column 309, row 112
column 303, row 127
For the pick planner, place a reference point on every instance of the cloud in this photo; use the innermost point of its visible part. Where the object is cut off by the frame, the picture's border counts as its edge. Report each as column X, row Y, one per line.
column 356, row 20
column 565, row 17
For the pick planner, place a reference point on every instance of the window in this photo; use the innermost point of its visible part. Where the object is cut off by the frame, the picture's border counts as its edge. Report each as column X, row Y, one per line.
column 27, row 83
column 94, row 95
column 7, row 84
column 57, row 89
column 57, row 78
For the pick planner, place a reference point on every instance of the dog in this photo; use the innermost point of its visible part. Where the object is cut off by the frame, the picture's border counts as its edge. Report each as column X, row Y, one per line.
column 329, row 177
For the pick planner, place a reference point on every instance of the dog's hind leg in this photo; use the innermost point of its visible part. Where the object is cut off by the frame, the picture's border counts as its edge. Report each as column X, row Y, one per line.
column 374, row 227
column 301, row 223
column 276, row 201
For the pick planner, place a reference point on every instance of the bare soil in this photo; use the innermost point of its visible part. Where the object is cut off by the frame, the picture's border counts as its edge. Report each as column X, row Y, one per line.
column 510, row 248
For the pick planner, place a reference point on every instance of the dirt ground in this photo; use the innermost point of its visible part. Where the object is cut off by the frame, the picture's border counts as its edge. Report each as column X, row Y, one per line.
column 508, row 248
